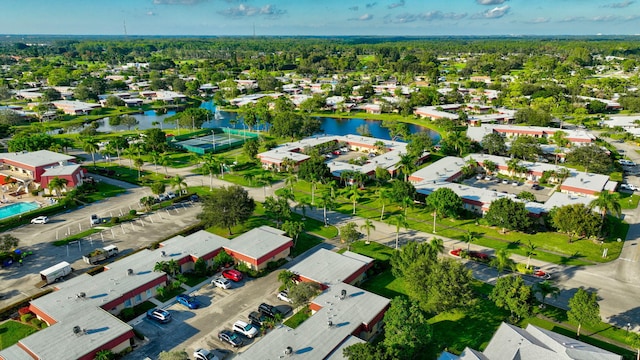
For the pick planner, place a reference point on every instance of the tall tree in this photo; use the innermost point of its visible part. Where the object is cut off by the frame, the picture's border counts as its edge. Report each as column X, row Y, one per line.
column 293, row 229
column 584, row 309
column 508, row 214
column 468, row 238
column 178, row 182
column 367, row 227
column 575, row 220
column 440, row 286
column 445, row 202
column 545, row 288
column 502, row 261
column 57, row 184
column 494, row 144
column 407, row 333
column 511, row 293
column 400, row 221
column 90, row 145
column 349, row 233
column 226, row 207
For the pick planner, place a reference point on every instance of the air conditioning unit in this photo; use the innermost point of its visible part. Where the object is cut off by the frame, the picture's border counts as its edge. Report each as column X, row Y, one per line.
column 129, row 272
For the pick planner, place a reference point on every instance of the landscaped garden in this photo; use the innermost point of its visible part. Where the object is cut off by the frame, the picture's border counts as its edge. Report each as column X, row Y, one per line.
column 474, row 326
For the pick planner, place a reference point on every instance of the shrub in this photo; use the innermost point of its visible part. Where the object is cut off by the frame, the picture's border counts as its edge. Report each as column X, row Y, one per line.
column 36, row 322
column 133, row 212
column 522, row 268
column 43, row 325
column 26, row 318
column 127, row 314
column 115, row 220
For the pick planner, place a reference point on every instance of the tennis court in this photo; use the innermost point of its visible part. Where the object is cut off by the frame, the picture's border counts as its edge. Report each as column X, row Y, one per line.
column 211, row 143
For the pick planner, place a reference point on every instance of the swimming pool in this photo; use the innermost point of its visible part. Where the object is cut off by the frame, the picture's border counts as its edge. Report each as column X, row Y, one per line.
column 16, row 209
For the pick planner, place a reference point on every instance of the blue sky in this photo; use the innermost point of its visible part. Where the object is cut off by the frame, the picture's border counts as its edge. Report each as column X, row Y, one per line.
column 320, row 17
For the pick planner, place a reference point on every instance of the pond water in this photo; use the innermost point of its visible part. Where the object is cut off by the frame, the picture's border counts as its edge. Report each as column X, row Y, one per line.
column 333, row 126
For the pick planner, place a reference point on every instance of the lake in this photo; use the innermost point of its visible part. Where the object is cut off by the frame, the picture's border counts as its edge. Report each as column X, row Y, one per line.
column 333, row 126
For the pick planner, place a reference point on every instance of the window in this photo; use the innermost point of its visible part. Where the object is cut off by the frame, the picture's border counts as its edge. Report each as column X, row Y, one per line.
column 138, row 299
column 148, row 294
column 127, row 303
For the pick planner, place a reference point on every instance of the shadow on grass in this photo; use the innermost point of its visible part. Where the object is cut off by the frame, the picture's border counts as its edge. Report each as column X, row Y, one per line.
column 564, row 260
column 513, row 245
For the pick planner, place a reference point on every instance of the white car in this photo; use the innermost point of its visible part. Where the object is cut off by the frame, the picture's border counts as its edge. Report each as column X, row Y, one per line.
column 203, row 354
column 221, row 283
column 284, row 296
column 245, row 329
column 40, row 220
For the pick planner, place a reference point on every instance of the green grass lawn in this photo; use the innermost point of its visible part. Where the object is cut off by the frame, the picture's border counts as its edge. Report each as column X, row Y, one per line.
column 628, row 201
column 13, row 331
column 474, row 326
column 551, row 246
column 298, row 318
column 104, row 191
column 125, row 173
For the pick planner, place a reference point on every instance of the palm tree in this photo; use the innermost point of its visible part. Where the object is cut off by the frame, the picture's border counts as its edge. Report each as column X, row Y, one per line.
column 291, row 180
column 164, row 160
column 399, row 221
column 90, row 145
column 155, row 158
column 173, row 267
column 147, row 202
column 459, row 141
column 178, row 182
column 512, row 165
column 138, row 162
column 367, row 227
column 407, row 165
column 383, row 196
column 468, row 238
column 407, row 202
column 287, row 278
column 293, row 229
column 327, row 202
column 314, row 185
column 353, row 194
column 160, row 266
column 530, row 252
column 57, row 184
column 436, row 245
column 250, row 178
column 303, row 205
column 502, row 260
column 545, row 288
column 104, row 354
column 606, row 202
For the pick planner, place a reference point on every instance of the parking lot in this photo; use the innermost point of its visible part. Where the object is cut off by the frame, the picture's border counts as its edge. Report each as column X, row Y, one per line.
column 195, row 329
column 541, row 193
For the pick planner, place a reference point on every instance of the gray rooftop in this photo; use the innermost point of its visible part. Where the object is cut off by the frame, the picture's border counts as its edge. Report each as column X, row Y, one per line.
column 338, row 353
column 258, row 242
column 314, row 338
column 14, row 352
column 197, row 244
column 61, row 170
column 593, row 182
column 36, row 158
column 327, row 267
column 60, row 342
column 533, row 343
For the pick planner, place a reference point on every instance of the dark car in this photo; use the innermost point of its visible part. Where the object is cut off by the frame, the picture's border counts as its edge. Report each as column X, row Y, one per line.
column 230, row 337
column 257, row 318
column 269, row 310
column 188, row 301
column 159, row 315
column 233, row 275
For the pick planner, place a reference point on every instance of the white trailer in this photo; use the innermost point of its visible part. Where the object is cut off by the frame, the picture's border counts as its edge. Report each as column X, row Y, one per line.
column 55, row 273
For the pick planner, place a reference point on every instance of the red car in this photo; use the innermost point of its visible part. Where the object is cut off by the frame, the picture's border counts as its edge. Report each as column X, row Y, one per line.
column 233, row 275
column 541, row 274
column 456, row 252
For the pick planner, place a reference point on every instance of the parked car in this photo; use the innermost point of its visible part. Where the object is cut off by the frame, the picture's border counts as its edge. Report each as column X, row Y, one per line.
column 40, row 220
column 162, row 197
column 284, row 296
column 256, row 318
column 171, row 195
column 159, row 315
column 515, row 183
column 488, row 178
column 456, row 252
column 269, row 310
column 245, row 329
column 479, row 177
column 217, row 354
column 95, row 220
column 221, row 283
column 233, row 275
column 202, row 354
column 230, row 337
column 478, row 255
column 188, row 301
column 505, row 181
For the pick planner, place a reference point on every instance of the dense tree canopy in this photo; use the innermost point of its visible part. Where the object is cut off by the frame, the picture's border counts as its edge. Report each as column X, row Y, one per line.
column 508, row 214
column 226, row 207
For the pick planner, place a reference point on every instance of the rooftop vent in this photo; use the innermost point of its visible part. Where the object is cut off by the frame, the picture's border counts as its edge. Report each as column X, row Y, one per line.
column 81, row 295
column 163, row 254
column 129, row 272
column 288, row 350
column 343, row 294
column 77, row 330
column 329, row 323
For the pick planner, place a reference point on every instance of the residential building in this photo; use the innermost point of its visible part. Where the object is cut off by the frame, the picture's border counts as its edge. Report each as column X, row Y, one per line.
column 35, row 169
column 513, row 343
column 80, row 312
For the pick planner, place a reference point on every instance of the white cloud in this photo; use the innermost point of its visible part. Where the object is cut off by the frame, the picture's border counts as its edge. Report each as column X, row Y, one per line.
column 244, row 10
column 490, row 2
column 397, row 4
column 495, row 13
column 619, row 5
column 538, row 20
column 364, row 17
column 177, row 2
column 428, row 16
